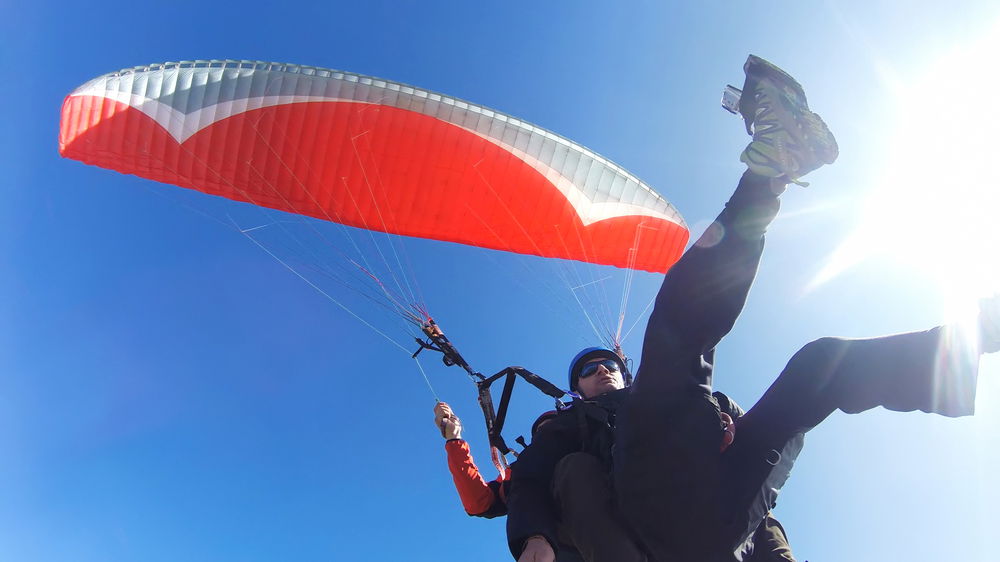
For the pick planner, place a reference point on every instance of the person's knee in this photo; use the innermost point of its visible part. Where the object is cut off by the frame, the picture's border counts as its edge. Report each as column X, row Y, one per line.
column 822, row 347
column 817, row 360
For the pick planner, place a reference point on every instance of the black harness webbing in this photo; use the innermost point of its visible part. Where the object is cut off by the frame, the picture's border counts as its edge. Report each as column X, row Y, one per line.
column 495, row 417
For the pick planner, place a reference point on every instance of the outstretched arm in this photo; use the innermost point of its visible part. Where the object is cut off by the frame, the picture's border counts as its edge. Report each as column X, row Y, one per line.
column 479, row 498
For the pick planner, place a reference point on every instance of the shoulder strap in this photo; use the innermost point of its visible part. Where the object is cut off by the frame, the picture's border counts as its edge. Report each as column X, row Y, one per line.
column 495, row 417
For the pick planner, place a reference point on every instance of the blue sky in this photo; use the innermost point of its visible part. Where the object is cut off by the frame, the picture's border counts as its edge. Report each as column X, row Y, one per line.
column 170, row 392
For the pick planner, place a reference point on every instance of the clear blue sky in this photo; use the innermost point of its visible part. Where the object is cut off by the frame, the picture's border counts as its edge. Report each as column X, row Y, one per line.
column 169, row 392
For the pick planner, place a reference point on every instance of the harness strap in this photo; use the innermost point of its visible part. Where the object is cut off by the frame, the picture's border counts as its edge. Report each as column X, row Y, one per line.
column 495, row 418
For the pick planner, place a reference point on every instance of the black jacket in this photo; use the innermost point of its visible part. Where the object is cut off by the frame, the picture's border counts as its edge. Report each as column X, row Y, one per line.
column 588, row 426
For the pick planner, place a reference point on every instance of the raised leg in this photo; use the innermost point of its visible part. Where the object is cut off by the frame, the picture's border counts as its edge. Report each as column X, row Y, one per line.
column 933, row 371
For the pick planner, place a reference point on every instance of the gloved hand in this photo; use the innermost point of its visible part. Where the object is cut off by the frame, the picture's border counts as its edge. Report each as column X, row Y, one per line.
column 447, row 421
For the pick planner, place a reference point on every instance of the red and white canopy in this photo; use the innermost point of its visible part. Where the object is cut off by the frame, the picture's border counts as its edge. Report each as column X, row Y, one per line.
column 369, row 153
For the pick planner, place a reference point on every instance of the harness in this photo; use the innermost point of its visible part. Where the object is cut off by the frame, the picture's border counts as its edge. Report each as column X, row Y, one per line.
column 494, row 416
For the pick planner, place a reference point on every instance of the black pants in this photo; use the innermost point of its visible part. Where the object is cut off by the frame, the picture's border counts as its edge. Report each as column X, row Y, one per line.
column 591, row 525
column 683, row 500
column 589, row 519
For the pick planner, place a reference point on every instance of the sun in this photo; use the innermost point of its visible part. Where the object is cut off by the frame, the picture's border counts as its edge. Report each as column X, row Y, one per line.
column 936, row 204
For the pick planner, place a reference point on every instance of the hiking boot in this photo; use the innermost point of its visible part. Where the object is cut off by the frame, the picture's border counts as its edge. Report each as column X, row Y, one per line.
column 789, row 141
column 989, row 323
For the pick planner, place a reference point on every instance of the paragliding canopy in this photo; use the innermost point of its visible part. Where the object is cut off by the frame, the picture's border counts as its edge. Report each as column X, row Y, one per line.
column 369, row 153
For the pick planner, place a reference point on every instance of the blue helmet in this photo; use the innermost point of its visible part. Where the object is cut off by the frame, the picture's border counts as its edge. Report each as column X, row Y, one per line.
column 586, row 354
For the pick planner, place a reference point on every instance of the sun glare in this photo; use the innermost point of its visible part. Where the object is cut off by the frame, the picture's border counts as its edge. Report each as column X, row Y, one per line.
column 937, row 199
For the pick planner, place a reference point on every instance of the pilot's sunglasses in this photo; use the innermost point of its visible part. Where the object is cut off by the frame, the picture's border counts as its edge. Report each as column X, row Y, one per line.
column 591, row 368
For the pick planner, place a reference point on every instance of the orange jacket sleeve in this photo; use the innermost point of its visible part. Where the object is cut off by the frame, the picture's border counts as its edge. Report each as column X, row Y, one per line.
column 477, row 496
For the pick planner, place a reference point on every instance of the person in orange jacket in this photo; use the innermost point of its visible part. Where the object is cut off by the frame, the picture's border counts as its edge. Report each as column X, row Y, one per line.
column 479, row 497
